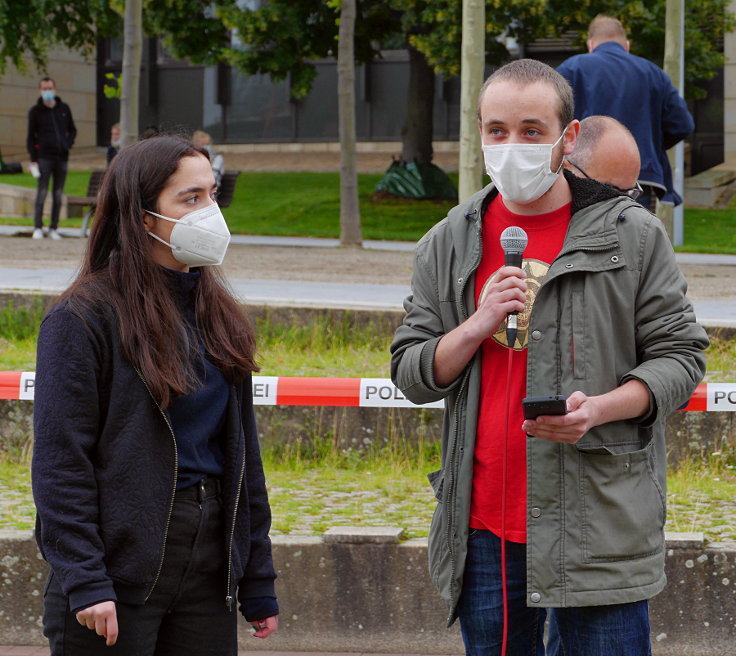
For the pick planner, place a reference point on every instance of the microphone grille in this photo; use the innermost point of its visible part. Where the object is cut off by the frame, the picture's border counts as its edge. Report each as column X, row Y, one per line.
column 513, row 239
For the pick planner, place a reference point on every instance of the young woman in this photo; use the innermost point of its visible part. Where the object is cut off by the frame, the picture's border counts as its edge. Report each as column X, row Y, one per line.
column 147, row 477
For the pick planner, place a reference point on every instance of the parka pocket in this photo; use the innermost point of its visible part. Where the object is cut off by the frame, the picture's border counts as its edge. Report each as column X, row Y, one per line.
column 577, row 345
column 437, row 481
column 623, row 507
column 437, row 551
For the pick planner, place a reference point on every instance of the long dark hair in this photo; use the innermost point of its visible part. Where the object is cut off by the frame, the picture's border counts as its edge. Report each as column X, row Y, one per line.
column 118, row 269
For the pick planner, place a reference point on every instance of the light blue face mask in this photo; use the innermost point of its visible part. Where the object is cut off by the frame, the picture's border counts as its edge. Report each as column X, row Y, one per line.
column 48, row 95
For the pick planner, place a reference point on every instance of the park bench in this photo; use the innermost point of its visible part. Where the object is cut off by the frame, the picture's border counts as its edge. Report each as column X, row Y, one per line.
column 89, row 201
column 227, row 188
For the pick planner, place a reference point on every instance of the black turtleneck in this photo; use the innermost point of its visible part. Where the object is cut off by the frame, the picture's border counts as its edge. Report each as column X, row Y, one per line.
column 198, row 419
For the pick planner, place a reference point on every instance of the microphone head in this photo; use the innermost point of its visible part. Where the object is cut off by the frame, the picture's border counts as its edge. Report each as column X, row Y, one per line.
column 514, row 239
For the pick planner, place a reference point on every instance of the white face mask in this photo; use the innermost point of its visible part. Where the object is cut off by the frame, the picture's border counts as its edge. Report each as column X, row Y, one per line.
column 199, row 238
column 522, row 173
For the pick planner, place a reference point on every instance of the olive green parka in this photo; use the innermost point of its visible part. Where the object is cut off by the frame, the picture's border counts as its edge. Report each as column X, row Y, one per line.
column 611, row 308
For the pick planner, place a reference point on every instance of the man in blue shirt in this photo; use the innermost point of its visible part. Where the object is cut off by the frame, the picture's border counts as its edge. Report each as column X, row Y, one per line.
column 611, row 81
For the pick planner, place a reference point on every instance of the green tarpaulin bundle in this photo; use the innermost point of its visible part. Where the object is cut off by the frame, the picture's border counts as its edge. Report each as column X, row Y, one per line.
column 417, row 181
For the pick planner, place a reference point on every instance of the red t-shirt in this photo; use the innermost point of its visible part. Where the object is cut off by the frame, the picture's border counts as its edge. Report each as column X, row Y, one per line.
column 546, row 233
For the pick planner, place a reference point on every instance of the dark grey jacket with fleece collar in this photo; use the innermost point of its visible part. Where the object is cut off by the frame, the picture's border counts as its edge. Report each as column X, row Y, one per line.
column 611, row 308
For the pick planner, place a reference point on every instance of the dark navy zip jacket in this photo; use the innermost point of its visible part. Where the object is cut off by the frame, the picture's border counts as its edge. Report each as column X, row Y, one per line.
column 638, row 93
column 105, row 468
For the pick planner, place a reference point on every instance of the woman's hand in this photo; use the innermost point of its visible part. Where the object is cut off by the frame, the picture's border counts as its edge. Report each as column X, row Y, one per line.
column 101, row 618
column 265, row 628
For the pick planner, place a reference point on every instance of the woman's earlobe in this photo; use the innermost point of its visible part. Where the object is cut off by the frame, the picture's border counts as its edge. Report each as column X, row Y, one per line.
column 148, row 221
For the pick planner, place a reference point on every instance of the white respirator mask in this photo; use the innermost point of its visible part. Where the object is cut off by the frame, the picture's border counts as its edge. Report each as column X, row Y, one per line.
column 199, row 238
column 522, row 173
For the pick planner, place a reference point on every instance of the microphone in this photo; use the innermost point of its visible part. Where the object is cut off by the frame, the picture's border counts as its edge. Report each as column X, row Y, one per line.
column 513, row 243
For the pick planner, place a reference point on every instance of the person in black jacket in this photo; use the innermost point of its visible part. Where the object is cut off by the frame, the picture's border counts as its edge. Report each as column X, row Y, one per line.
column 152, row 509
column 51, row 134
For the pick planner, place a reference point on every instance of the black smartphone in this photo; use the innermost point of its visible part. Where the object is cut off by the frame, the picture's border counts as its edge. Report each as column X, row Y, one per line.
column 534, row 406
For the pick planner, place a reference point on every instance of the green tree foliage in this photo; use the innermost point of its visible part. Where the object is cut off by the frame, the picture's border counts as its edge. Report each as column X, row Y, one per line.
column 190, row 29
column 29, row 27
column 282, row 37
column 440, row 39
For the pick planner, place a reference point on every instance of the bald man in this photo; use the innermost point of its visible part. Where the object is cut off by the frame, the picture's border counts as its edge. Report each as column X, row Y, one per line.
column 606, row 151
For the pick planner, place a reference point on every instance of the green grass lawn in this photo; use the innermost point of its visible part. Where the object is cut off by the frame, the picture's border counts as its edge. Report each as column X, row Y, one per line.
column 322, row 347
column 295, row 204
column 709, row 231
column 308, row 204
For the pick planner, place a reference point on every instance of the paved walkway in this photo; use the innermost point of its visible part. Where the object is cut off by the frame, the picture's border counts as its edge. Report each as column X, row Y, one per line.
column 326, row 294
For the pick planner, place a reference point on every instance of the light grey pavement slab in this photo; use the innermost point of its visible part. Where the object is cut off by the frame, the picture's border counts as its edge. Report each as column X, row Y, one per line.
column 365, row 296
column 256, row 240
column 303, row 293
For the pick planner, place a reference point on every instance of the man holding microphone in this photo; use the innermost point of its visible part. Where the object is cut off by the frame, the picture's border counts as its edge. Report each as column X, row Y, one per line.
column 553, row 512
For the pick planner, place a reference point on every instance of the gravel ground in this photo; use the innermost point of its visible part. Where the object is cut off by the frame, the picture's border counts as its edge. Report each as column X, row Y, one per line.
column 309, row 502
column 241, row 262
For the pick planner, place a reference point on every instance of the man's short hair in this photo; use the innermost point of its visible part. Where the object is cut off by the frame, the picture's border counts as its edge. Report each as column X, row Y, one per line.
column 606, row 28
column 528, row 71
column 46, row 79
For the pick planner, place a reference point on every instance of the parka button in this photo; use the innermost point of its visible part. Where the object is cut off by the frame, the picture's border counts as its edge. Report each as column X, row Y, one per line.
column 459, row 281
column 536, row 334
column 569, row 265
column 536, row 512
column 535, row 597
column 614, row 259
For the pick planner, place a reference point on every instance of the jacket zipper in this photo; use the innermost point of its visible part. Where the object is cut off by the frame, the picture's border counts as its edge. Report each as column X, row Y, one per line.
column 228, row 597
column 173, row 490
column 56, row 131
column 451, row 494
column 453, row 453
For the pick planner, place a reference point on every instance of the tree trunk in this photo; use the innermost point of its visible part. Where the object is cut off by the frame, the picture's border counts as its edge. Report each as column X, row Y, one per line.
column 350, row 232
column 416, row 134
column 674, row 45
column 472, row 65
column 132, row 48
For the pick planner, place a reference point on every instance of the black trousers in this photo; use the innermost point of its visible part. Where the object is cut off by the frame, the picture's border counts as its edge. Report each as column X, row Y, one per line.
column 186, row 613
column 49, row 168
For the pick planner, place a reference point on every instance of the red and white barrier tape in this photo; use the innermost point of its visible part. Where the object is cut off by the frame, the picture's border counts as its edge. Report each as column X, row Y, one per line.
column 358, row 392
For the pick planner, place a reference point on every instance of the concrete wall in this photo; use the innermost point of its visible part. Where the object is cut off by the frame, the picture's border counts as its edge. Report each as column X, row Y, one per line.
column 352, row 592
column 729, row 94
column 18, row 202
column 76, row 85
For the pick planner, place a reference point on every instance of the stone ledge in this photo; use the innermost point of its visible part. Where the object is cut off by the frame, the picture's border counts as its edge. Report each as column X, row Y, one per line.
column 712, row 188
column 694, row 540
column 378, row 598
column 363, row 535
